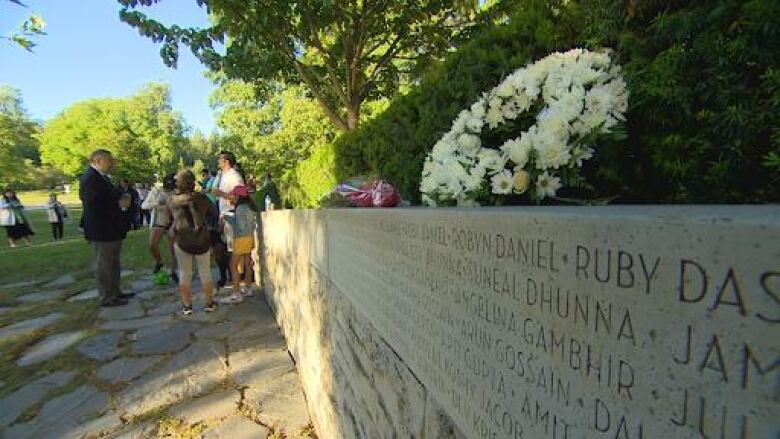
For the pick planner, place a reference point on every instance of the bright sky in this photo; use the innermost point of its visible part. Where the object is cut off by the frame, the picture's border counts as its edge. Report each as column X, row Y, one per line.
column 89, row 53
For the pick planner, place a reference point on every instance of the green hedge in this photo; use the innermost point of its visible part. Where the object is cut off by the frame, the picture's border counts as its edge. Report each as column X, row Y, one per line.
column 703, row 112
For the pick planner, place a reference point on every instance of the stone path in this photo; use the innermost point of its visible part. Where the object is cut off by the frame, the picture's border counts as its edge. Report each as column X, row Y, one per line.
column 225, row 374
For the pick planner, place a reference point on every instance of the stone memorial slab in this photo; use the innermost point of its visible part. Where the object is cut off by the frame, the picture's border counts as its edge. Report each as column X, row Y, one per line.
column 30, row 325
column 19, row 401
column 50, row 347
column 172, row 339
column 130, row 311
column 237, row 427
column 126, row 369
column 85, row 295
column 62, row 281
column 216, row 406
column 39, row 296
column 193, row 372
column 133, row 324
column 101, row 347
column 627, row 322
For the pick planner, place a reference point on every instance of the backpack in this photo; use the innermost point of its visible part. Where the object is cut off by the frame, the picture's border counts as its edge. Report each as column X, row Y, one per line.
column 193, row 239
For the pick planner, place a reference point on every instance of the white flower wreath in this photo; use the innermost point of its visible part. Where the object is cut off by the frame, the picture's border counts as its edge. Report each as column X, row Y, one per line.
column 581, row 96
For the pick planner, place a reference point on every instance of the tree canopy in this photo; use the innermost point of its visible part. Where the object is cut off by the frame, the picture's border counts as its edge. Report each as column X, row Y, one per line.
column 18, row 145
column 141, row 130
column 345, row 52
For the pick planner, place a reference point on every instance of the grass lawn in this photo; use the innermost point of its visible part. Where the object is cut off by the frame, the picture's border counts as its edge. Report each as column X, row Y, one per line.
column 41, row 197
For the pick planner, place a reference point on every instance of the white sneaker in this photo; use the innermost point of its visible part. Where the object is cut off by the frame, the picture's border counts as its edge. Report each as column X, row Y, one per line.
column 248, row 290
column 236, row 298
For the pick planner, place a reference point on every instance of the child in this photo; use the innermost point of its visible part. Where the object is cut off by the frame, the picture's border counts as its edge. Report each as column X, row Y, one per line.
column 57, row 214
column 243, row 220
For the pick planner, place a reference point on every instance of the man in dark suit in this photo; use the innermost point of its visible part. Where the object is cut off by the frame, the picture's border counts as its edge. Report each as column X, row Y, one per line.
column 106, row 218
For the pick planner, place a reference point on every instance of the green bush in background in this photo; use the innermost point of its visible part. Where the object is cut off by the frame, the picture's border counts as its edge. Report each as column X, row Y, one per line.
column 703, row 112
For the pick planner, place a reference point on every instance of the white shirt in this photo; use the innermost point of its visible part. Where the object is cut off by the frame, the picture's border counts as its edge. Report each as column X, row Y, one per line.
column 227, row 181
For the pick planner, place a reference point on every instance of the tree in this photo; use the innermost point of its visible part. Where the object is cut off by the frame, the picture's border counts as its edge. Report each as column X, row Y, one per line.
column 270, row 133
column 31, row 27
column 18, row 145
column 142, row 131
column 346, row 52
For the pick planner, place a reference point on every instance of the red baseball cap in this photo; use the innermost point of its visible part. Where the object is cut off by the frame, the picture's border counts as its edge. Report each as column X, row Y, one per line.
column 240, row 191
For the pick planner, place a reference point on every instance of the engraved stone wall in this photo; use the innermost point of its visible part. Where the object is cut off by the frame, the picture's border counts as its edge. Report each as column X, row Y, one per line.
column 616, row 322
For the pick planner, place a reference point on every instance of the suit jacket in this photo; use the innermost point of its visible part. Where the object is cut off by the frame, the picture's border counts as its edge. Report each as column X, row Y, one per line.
column 103, row 219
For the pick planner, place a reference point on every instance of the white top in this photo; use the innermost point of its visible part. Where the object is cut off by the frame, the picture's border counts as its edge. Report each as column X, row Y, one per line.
column 227, row 181
column 156, row 201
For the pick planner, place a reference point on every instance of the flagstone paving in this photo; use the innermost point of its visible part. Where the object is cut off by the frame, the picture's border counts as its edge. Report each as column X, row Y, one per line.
column 86, row 295
column 227, row 373
column 40, row 296
column 30, row 325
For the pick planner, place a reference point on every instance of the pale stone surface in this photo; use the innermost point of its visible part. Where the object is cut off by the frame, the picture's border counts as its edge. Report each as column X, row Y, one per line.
column 281, row 404
column 40, row 296
column 256, row 337
column 17, row 402
column 21, row 284
column 30, row 325
column 4, row 309
column 50, row 347
column 211, row 407
column 604, row 321
column 130, row 311
column 126, row 368
column 62, row 281
column 236, row 427
column 173, row 339
column 66, row 414
column 142, row 284
column 85, row 295
column 143, row 322
column 125, row 273
column 256, row 367
column 91, row 429
column 219, row 331
column 101, row 347
column 190, row 373
column 144, row 430
column 164, row 309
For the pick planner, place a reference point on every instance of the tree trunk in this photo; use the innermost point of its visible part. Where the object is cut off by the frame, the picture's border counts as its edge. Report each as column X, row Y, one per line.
column 353, row 117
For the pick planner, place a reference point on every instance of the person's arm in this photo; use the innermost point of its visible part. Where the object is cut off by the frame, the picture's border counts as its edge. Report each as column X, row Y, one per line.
column 150, row 201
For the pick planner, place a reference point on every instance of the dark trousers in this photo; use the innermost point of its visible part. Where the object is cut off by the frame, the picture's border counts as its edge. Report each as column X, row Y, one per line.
column 146, row 217
column 107, row 268
column 56, row 230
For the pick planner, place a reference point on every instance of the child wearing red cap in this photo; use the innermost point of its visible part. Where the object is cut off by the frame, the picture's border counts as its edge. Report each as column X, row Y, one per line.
column 243, row 222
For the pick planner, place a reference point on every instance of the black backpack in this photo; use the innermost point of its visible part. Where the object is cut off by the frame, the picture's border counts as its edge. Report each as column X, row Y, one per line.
column 194, row 239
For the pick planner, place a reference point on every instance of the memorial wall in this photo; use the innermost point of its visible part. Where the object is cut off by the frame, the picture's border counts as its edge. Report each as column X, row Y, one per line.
column 613, row 322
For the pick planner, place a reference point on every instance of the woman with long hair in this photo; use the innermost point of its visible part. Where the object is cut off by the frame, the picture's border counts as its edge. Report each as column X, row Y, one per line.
column 14, row 219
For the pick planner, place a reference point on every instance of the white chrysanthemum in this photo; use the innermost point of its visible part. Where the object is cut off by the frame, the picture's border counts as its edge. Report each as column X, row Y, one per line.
column 474, row 124
column 505, row 89
column 580, row 154
column 598, row 100
column 428, row 201
column 519, row 150
column 442, row 150
column 501, row 183
column 478, row 109
column 494, row 117
column 547, row 185
column 522, row 102
column 459, row 125
column 551, row 154
column 469, row 142
column 509, row 111
column 552, row 125
column 491, row 160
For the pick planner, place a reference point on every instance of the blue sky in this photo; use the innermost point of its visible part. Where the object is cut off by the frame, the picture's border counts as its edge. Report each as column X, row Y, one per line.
column 89, row 53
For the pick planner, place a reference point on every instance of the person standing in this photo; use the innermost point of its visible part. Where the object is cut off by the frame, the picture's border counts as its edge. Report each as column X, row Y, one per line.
column 144, row 214
column 227, row 179
column 189, row 211
column 243, row 220
column 135, row 205
column 14, row 219
column 156, row 202
column 106, row 218
column 57, row 213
